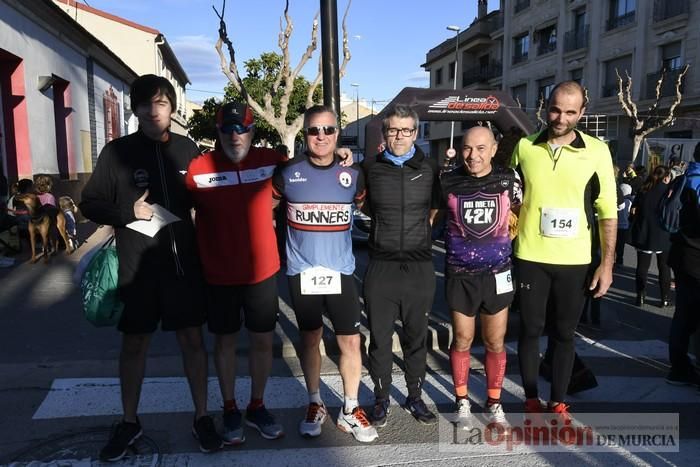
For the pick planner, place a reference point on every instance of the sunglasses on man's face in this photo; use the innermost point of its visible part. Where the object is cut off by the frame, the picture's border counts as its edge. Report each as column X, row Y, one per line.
column 316, row 130
column 236, row 128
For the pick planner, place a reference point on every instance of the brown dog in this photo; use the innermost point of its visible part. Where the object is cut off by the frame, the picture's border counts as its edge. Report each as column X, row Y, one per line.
column 45, row 221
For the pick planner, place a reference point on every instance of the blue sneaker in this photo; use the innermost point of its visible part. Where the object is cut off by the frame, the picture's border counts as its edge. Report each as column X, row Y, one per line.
column 264, row 422
column 233, row 428
column 416, row 407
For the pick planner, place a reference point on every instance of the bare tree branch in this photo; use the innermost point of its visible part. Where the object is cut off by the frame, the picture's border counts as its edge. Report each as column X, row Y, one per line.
column 313, row 44
column 346, row 48
column 677, row 99
column 283, row 84
column 538, row 112
column 283, row 42
column 314, row 85
column 230, row 68
column 643, row 126
column 621, row 97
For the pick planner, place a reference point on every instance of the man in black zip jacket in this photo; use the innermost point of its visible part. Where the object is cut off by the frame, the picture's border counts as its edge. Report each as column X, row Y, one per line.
column 160, row 278
column 402, row 189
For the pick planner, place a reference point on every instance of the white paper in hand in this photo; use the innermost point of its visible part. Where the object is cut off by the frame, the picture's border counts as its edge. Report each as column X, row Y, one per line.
column 161, row 218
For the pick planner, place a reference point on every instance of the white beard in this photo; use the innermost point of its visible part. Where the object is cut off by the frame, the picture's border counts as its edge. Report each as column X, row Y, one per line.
column 233, row 155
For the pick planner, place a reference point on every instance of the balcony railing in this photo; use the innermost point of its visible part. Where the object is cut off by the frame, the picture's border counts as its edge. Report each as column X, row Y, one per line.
column 576, row 39
column 546, row 47
column 619, row 21
column 518, row 58
column 482, row 73
column 668, row 87
column 520, row 5
column 664, row 9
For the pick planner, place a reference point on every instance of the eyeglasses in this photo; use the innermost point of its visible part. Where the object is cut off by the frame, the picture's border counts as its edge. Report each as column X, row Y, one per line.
column 404, row 131
column 238, row 129
column 316, row 130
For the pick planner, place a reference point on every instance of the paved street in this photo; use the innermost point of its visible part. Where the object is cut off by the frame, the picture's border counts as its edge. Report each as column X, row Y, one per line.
column 60, row 393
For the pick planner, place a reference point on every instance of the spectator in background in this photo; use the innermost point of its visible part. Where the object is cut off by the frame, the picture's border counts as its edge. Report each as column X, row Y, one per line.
column 684, row 258
column 623, row 222
column 676, row 166
column 637, row 182
column 648, row 237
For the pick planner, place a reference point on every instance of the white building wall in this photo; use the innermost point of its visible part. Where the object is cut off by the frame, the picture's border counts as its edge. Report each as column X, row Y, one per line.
column 44, row 55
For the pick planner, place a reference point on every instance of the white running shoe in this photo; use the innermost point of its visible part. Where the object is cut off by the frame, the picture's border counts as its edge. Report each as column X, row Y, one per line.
column 496, row 413
column 357, row 424
column 463, row 414
column 316, row 414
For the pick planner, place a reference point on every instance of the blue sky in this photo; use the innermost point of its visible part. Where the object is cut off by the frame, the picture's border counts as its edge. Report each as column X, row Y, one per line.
column 388, row 38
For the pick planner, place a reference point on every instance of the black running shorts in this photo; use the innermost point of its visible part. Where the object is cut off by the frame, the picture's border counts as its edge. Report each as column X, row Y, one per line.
column 177, row 302
column 343, row 309
column 476, row 293
column 259, row 303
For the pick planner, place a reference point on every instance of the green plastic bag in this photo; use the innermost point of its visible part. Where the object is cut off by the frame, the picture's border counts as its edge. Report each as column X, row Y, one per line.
column 98, row 287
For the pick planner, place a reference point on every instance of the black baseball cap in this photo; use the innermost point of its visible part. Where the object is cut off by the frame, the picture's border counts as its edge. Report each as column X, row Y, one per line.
column 234, row 113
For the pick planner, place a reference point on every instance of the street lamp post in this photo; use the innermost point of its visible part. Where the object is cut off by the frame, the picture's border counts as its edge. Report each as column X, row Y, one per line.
column 357, row 111
column 456, row 29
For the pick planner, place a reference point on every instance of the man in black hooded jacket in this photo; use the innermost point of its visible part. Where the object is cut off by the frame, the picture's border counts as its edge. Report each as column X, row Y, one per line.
column 160, row 278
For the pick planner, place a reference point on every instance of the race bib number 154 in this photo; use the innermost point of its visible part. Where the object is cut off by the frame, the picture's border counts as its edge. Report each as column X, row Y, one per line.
column 559, row 222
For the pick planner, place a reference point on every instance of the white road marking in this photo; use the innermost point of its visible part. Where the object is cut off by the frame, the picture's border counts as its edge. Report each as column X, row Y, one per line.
column 85, row 397
column 418, row 454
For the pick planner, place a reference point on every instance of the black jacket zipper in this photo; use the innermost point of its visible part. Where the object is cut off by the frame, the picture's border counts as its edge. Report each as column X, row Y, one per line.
column 173, row 245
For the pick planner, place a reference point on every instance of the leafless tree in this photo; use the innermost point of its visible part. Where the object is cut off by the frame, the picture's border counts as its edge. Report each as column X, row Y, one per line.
column 642, row 125
column 538, row 113
column 284, row 82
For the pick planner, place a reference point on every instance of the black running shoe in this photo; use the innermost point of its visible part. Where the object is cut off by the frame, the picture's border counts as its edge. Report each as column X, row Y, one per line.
column 683, row 378
column 205, row 432
column 263, row 421
column 416, row 407
column 123, row 435
column 380, row 412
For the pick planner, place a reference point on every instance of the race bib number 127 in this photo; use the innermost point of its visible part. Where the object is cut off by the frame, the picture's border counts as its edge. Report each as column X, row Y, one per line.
column 320, row 281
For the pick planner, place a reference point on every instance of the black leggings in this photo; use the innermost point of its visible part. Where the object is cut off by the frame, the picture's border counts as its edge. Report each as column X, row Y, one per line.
column 565, row 287
column 643, row 263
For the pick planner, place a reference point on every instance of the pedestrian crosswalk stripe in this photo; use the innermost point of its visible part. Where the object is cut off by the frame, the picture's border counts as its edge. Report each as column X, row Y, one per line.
column 83, row 397
column 418, row 454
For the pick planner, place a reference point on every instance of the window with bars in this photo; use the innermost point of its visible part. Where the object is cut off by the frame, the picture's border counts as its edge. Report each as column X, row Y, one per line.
column 623, row 65
column 521, row 47
column 544, row 88
column 547, row 39
column 671, row 56
column 600, row 126
column 622, row 12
